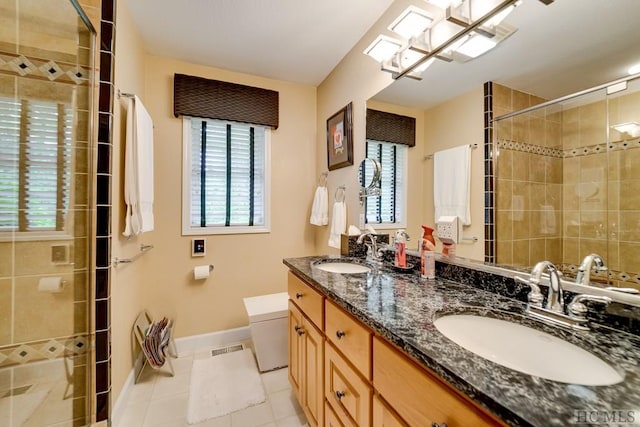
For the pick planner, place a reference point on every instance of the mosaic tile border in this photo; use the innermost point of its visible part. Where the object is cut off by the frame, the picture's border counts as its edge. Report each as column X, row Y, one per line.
column 24, row 353
column 522, row 147
column 506, row 144
column 49, row 69
column 102, row 303
column 611, row 275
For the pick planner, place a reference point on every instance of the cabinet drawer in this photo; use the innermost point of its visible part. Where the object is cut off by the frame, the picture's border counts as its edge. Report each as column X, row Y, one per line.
column 308, row 299
column 332, row 420
column 349, row 336
column 418, row 397
column 347, row 393
column 383, row 416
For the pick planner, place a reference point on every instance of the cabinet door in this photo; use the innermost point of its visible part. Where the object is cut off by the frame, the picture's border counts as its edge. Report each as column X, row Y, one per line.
column 347, row 393
column 418, row 396
column 313, row 378
column 383, row 416
column 295, row 349
column 331, row 419
column 350, row 337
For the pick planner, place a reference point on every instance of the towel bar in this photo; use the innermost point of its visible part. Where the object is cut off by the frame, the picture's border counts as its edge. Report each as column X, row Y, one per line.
column 143, row 250
column 430, row 156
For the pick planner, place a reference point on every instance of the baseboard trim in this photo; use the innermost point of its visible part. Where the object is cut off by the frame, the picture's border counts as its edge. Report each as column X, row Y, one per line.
column 184, row 346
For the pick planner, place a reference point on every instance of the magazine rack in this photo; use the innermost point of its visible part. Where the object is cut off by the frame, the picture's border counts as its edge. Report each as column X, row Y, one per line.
column 155, row 339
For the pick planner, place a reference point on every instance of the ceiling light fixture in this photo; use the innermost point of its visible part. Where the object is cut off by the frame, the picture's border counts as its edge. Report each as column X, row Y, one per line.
column 466, row 30
column 630, row 128
column 383, row 48
column 411, row 22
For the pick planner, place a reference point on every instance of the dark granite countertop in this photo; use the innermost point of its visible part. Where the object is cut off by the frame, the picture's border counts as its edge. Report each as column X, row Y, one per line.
column 402, row 308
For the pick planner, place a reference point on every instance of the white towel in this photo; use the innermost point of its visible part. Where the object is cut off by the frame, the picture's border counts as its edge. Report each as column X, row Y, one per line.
column 320, row 208
column 338, row 223
column 138, row 170
column 452, row 183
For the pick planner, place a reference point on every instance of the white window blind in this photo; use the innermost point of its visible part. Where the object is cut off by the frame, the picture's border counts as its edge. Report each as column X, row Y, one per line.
column 227, row 177
column 389, row 207
column 35, row 164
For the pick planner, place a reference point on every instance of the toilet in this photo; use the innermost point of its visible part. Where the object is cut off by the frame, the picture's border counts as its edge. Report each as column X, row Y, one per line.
column 268, row 322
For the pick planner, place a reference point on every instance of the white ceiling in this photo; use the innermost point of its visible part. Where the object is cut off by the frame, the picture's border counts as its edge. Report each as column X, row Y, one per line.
column 293, row 40
column 558, row 49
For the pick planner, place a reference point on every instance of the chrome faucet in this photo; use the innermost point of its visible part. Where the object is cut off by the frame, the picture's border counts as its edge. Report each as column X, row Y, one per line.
column 373, row 253
column 555, row 300
column 584, row 271
column 554, row 310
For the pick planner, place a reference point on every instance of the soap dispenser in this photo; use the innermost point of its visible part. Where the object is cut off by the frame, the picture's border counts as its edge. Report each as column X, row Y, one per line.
column 427, row 254
column 401, row 246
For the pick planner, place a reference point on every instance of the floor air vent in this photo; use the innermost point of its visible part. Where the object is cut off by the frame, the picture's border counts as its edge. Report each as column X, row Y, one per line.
column 228, row 349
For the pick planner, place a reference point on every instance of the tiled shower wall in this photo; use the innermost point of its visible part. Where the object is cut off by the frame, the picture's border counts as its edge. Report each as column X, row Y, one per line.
column 528, row 180
column 562, row 190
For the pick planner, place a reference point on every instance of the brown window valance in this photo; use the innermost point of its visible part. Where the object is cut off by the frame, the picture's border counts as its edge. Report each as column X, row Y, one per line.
column 389, row 127
column 215, row 99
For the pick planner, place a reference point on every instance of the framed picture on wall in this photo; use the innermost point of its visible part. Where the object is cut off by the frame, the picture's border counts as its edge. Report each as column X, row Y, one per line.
column 340, row 138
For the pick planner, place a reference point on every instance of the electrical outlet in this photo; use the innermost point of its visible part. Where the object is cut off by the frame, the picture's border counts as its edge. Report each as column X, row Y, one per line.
column 198, row 247
column 448, row 228
column 60, row 254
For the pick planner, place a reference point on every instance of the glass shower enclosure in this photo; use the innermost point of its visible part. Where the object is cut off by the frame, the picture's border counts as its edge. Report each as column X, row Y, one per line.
column 566, row 181
column 46, row 157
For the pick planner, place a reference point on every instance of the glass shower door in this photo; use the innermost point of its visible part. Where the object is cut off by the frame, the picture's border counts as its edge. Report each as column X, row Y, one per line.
column 46, row 58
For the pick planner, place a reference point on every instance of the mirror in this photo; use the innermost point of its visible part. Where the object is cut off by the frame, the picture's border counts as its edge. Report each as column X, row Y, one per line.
column 369, row 174
column 540, row 61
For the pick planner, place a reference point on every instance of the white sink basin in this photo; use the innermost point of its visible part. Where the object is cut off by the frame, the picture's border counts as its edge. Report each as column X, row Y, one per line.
column 526, row 350
column 342, row 267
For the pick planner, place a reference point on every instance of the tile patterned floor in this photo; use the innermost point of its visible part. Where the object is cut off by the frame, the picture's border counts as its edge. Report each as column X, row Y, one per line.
column 159, row 400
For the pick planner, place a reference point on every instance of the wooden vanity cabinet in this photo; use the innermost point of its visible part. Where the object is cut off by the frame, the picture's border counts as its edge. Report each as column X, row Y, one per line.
column 420, row 398
column 345, row 376
column 346, row 392
column 383, row 416
column 306, row 349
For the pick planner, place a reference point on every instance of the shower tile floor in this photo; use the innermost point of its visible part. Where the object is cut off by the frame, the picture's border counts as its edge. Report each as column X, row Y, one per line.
column 159, row 400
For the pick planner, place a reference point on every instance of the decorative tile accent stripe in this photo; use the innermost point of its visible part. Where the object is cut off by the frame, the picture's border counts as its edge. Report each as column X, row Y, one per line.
column 570, row 152
column 612, row 275
column 35, row 351
column 23, row 66
column 529, row 148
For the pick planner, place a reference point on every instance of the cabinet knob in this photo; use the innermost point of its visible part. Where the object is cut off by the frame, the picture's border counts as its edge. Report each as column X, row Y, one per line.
column 300, row 332
column 299, row 295
column 340, row 334
column 439, row 425
column 297, row 328
column 341, row 394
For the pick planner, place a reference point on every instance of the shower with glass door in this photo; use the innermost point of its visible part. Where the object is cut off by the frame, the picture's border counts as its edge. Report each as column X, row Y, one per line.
column 46, row 207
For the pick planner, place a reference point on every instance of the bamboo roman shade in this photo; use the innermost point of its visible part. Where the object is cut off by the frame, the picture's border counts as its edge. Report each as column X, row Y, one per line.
column 215, row 99
column 388, row 127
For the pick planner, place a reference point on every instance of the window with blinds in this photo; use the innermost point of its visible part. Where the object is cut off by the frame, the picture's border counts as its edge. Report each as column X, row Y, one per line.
column 225, row 177
column 389, row 207
column 35, row 165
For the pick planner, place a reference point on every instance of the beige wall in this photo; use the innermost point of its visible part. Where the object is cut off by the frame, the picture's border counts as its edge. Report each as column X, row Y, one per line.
column 415, row 170
column 453, row 123
column 245, row 265
column 127, row 295
column 357, row 78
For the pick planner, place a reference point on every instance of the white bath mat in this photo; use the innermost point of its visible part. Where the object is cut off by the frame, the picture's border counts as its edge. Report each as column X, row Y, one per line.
column 223, row 384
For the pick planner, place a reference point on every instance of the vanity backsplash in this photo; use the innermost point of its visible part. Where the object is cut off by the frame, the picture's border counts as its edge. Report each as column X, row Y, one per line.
column 616, row 315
